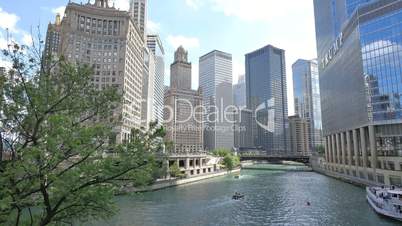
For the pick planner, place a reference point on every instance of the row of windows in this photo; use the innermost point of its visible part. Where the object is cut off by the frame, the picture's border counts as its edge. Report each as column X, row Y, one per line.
column 98, row 26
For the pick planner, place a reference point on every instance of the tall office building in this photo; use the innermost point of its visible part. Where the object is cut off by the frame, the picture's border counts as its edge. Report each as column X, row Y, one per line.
column 148, row 89
column 239, row 92
column 216, row 84
column 183, row 113
column 307, row 98
column 243, row 125
column 361, row 86
column 155, row 45
column 267, row 97
column 108, row 40
column 138, row 11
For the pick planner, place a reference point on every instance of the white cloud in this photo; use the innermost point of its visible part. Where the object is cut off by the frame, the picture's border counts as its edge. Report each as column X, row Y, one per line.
column 3, row 42
column 8, row 21
column 238, row 69
column 153, row 27
column 6, row 64
column 258, row 10
column 195, row 4
column 122, row 4
column 59, row 10
column 26, row 39
column 186, row 42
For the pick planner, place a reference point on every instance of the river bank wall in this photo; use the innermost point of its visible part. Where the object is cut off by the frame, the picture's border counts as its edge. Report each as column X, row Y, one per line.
column 176, row 182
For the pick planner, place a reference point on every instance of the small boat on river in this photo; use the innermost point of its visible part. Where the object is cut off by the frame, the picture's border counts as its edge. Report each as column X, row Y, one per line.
column 237, row 196
column 386, row 201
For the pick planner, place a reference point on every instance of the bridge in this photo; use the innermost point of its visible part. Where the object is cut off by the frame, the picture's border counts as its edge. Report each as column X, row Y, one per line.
column 261, row 155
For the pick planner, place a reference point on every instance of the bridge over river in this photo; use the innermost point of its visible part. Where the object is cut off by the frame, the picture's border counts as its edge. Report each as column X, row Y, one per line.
column 260, row 155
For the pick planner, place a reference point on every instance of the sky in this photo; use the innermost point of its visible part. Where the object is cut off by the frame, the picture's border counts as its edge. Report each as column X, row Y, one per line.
column 234, row 26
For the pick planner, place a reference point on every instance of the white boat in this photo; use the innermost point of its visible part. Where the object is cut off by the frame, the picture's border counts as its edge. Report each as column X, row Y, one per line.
column 386, row 201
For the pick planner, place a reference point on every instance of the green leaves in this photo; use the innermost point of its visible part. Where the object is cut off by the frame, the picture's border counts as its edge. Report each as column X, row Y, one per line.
column 65, row 168
column 229, row 159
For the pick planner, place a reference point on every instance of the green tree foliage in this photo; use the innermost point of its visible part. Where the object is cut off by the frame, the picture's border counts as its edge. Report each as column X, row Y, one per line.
column 66, row 167
column 320, row 149
column 175, row 171
column 230, row 161
column 221, row 152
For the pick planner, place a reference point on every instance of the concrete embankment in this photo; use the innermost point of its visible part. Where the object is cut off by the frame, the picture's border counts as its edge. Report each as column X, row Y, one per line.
column 275, row 167
column 172, row 183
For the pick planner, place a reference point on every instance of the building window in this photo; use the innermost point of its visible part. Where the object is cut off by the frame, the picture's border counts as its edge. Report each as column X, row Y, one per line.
column 395, row 180
column 391, row 166
column 380, row 178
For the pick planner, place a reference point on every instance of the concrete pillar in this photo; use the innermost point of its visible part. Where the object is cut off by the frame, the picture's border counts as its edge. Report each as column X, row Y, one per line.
column 349, row 148
column 356, row 148
column 187, row 163
column 343, row 146
column 373, row 148
column 326, row 150
column 333, row 149
column 338, row 149
column 363, row 146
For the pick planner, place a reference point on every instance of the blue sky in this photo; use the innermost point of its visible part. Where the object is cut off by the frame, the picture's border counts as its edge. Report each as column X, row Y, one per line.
column 233, row 26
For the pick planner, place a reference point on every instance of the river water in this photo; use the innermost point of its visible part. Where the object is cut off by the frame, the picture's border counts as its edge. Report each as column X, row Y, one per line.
column 271, row 198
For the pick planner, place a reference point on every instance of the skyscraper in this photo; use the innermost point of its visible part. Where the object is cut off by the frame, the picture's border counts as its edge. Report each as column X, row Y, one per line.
column 138, row 11
column 52, row 44
column 239, row 92
column 307, row 98
column 183, row 113
column 360, row 83
column 155, row 45
column 108, row 40
column 216, row 84
column 267, row 97
column 148, row 89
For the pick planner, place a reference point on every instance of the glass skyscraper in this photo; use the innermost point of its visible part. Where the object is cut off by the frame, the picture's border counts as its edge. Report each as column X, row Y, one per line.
column 266, row 96
column 306, row 89
column 361, row 85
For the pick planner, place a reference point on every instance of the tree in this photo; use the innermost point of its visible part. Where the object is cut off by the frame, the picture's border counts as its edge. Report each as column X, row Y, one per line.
column 221, row 152
column 175, row 171
column 230, row 161
column 66, row 166
column 320, row 149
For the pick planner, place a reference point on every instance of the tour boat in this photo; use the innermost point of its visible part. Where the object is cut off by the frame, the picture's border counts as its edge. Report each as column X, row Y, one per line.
column 386, row 201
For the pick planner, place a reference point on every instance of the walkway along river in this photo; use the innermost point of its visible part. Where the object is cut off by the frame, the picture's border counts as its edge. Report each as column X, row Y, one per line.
column 271, row 198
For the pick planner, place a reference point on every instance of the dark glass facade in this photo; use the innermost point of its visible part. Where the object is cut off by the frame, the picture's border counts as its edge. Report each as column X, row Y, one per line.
column 267, row 97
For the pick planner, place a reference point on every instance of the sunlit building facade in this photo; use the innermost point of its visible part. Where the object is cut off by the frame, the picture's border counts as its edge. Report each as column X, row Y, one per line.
column 155, row 46
column 216, row 84
column 108, row 40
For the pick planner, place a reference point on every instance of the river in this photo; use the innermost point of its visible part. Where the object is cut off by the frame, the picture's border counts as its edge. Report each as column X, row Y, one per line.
column 271, row 198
